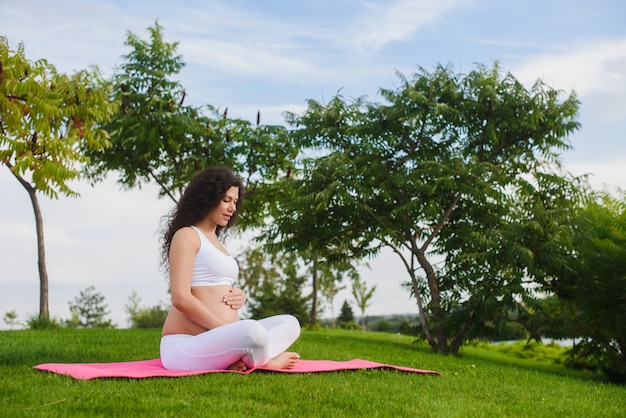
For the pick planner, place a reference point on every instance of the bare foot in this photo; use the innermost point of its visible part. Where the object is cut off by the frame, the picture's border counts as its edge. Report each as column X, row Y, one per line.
column 284, row 360
column 238, row 366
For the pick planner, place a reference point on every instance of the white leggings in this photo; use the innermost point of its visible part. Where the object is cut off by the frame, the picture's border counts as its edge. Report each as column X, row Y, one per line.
column 255, row 342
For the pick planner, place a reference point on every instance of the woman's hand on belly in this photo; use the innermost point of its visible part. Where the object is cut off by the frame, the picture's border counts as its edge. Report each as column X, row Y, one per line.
column 213, row 298
column 235, row 298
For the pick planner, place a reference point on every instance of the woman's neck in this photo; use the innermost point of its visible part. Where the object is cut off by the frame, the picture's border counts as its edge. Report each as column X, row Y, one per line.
column 209, row 228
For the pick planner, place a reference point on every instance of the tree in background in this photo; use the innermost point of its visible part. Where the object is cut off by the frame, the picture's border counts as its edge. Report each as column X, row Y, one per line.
column 155, row 136
column 547, row 316
column 299, row 224
column 362, row 296
column 447, row 172
column 596, row 286
column 158, row 138
column 330, row 285
column 145, row 316
column 273, row 285
column 46, row 120
column 10, row 318
column 89, row 310
column 261, row 155
column 346, row 317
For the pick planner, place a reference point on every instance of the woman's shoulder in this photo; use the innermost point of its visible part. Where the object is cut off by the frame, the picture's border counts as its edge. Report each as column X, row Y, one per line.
column 185, row 231
column 186, row 234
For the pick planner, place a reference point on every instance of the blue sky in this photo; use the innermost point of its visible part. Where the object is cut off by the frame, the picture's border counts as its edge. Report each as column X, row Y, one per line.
column 271, row 56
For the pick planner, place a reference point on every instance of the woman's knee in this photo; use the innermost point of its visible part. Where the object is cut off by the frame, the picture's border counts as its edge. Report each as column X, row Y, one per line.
column 254, row 333
column 294, row 321
column 293, row 324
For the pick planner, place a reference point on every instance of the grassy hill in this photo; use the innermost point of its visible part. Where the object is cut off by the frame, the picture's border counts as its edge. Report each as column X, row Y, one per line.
column 483, row 381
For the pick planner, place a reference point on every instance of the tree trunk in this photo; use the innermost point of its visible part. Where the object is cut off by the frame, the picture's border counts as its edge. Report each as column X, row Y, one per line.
column 44, row 312
column 313, row 319
column 441, row 336
column 417, row 292
column 440, row 341
column 333, row 322
column 420, row 309
column 457, row 341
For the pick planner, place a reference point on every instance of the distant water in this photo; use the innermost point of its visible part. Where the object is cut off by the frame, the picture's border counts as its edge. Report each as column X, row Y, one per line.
column 567, row 342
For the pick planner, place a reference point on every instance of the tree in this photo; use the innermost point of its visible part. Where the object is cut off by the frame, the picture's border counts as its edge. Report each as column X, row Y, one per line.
column 362, row 296
column 346, row 316
column 46, row 118
column 447, row 172
column 299, row 225
column 157, row 138
column 145, row 316
column 548, row 316
column 596, row 286
column 89, row 310
column 329, row 287
column 273, row 285
column 10, row 318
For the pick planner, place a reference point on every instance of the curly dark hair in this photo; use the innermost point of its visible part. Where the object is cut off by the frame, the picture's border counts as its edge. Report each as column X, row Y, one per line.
column 203, row 194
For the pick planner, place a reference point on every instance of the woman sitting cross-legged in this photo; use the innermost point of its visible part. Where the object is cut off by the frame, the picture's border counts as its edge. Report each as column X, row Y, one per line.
column 202, row 330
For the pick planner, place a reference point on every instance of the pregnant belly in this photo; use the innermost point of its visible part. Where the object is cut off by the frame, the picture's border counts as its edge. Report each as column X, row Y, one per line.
column 211, row 297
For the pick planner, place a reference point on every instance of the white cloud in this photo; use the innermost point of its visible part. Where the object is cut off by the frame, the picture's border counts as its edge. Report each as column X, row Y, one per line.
column 385, row 23
column 93, row 35
column 248, row 58
column 607, row 175
column 595, row 70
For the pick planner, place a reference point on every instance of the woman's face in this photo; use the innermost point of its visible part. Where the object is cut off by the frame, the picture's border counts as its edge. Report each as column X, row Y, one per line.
column 221, row 214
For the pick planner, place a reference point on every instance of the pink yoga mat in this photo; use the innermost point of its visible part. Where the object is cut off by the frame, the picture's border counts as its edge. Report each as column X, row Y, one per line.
column 153, row 368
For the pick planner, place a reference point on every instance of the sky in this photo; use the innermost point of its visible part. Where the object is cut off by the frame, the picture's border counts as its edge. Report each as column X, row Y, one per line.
column 273, row 56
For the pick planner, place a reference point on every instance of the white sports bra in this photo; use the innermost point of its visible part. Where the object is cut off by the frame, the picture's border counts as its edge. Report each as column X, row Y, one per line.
column 212, row 267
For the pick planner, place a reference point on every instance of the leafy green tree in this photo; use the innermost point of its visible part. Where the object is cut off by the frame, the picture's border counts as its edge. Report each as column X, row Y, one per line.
column 548, row 316
column 273, row 285
column 383, row 326
column 447, row 172
column 346, row 316
column 46, row 119
column 597, row 287
column 261, row 155
column 330, row 285
column 362, row 296
column 157, row 138
column 89, row 310
column 10, row 318
column 145, row 316
column 300, row 225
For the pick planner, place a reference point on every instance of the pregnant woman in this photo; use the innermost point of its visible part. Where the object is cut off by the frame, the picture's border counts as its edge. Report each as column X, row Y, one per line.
column 202, row 330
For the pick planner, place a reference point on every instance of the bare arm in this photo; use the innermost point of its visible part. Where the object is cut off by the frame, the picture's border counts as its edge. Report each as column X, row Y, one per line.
column 185, row 245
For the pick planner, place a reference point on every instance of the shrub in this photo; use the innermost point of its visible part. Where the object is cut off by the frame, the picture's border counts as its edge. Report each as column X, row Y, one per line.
column 42, row 322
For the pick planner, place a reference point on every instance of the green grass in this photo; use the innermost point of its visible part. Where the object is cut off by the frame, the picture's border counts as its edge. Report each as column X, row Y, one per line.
column 480, row 382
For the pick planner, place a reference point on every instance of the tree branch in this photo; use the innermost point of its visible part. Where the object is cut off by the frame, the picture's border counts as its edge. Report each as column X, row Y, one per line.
column 165, row 189
column 442, row 221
